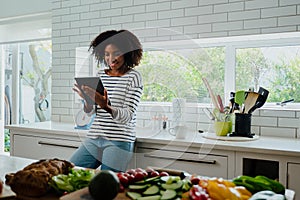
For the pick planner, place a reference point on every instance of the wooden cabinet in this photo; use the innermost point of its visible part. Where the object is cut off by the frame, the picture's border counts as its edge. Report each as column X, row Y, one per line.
column 293, row 178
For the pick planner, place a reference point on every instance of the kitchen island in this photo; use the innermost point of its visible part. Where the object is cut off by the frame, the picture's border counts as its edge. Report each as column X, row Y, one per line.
column 11, row 164
column 195, row 153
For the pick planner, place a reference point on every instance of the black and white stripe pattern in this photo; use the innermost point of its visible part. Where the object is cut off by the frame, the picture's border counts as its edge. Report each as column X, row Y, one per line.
column 124, row 93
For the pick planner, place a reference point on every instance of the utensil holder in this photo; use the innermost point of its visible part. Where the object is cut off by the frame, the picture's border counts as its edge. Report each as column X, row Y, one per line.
column 243, row 124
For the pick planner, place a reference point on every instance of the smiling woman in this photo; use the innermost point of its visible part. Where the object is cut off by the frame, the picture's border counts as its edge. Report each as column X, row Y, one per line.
column 111, row 136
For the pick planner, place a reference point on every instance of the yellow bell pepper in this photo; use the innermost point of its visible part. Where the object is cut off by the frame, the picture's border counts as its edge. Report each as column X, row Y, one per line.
column 220, row 189
column 245, row 194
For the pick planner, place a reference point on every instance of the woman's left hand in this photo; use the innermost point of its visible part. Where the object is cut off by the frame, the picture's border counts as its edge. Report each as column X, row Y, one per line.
column 101, row 100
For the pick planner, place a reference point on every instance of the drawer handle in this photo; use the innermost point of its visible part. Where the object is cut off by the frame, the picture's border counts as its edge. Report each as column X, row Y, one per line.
column 57, row 145
column 211, row 162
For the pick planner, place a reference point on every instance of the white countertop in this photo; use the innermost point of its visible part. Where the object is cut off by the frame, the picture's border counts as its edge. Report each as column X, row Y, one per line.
column 48, row 127
column 269, row 145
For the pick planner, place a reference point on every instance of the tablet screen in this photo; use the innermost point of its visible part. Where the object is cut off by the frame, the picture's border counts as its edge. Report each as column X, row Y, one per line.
column 92, row 82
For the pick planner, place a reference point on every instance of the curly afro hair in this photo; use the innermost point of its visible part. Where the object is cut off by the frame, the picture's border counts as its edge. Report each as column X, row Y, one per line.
column 126, row 41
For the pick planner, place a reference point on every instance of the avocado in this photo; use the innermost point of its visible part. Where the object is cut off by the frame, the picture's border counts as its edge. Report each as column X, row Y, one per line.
column 105, row 185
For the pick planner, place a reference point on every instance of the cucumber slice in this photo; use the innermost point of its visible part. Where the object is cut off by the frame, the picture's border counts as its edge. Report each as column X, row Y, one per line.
column 172, row 186
column 133, row 195
column 153, row 197
column 148, row 180
column 152, row 190
column 170, row 179
column 138, row 187
column 168, row 194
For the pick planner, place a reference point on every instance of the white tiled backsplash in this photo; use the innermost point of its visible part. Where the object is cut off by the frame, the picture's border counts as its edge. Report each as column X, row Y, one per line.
column 264, row 122
column 76, row 22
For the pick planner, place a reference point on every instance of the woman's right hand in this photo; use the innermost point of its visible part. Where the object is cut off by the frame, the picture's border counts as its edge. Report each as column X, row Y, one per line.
column 87, row 108
column 77, row 90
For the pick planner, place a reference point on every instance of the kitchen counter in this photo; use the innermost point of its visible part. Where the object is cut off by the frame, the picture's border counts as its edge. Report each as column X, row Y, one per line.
column 10, row 164
column 269, row 145
column 48, row 127
column 159, row 148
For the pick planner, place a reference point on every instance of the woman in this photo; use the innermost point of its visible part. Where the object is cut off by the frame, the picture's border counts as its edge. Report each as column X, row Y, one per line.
column 111, row 137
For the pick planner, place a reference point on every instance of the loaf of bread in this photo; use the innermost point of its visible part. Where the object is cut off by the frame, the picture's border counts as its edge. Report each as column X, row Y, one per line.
column 1, row 186
column 33, row 179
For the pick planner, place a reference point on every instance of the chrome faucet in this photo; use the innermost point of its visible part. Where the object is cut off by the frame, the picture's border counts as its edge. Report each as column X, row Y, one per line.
column 283, row 103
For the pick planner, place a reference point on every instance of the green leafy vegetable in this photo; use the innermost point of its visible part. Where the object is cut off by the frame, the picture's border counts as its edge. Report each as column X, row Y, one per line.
column 75, row 180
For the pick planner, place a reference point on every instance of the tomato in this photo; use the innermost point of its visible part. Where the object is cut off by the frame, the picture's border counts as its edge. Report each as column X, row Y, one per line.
column 163, row 174
column 139, row 176
column 195, row 180
column 130, row 171
column 126, row 174
column 198, row 193
column 123, row 180
column 154, row 173
column 130, row 178
column 149, row 170
column 120, row 174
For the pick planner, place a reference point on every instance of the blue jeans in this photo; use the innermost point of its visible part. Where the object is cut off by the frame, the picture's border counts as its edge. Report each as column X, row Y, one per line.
column 111, row 155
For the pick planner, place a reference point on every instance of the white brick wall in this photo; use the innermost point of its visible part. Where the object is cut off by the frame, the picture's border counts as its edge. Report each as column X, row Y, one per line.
column 76, row 22
column 265, row 122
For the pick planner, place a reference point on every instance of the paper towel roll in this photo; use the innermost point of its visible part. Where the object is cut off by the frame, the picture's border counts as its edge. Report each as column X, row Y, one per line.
column 178, row 105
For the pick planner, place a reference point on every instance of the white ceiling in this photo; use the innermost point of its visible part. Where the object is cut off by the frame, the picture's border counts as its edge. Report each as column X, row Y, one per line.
column 14, row 8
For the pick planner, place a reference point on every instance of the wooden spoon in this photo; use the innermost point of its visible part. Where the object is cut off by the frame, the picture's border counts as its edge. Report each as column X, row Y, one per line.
column 250, row 101
column 211, row 94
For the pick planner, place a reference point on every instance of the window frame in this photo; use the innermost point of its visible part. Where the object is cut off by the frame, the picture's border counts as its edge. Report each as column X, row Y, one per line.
column 231, row 44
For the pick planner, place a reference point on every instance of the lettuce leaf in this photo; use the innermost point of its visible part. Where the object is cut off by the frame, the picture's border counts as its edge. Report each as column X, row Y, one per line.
column 75, row 180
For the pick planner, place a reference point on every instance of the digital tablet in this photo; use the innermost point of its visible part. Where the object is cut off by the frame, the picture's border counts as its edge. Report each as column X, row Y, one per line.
column 92, row 82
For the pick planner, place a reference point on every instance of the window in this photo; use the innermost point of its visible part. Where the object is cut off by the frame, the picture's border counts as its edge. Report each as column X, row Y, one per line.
column 178, row 73
column 25, row 60
column 31, row 83
column 174, row 69
column 275, row 68
column 28, row 78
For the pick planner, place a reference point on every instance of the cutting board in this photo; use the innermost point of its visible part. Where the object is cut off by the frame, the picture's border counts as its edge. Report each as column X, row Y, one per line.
column 84, row 194
column 8, row 194
column 213, row 136
column 49, row 196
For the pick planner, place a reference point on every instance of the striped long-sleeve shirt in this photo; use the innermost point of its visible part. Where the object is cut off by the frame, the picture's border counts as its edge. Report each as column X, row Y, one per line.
column 124, row 93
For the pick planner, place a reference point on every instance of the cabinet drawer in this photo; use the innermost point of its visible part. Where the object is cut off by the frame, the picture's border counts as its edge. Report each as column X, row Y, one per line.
column 201, row 164
column 41, row 148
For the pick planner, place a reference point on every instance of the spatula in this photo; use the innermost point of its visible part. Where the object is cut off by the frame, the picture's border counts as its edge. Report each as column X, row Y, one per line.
column 239, row 97
column 250, row 101
column 263, row 95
